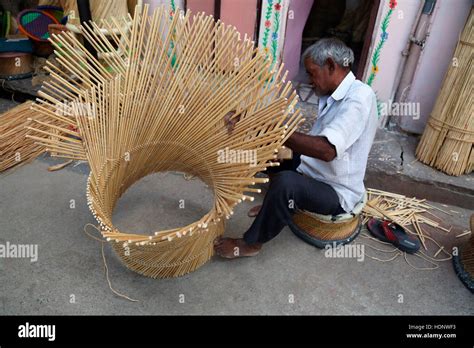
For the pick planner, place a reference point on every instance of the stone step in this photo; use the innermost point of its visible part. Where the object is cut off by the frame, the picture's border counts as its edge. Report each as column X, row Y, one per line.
column 392, row 166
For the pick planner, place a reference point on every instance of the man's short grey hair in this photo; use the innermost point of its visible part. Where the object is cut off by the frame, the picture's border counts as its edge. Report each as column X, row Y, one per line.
column 330, row 48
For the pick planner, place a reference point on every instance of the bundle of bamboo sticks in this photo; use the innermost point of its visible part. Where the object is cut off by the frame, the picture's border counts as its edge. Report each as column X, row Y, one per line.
column 157, row 103
column 15, row 149
column 99, row 9
column 415, row 215
column 447, row 142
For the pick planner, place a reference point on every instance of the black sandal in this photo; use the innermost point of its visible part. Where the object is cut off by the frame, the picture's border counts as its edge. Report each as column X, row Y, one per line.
column 391, row 232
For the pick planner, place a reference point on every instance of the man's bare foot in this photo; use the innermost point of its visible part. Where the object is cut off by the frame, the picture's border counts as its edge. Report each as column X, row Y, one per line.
column 231, row 248
column 253, row 212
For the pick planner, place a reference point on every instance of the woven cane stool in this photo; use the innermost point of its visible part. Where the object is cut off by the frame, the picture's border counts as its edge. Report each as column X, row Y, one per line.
column 321, row 230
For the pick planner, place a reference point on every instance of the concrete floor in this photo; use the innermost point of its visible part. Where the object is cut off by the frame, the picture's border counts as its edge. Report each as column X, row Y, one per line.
column 35, row 209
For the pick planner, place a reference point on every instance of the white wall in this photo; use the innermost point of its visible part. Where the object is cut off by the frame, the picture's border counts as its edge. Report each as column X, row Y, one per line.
column 447, row 23
column 398, row 31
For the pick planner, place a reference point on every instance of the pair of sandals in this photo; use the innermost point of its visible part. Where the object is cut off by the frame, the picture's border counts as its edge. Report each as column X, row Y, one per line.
column 393, row 233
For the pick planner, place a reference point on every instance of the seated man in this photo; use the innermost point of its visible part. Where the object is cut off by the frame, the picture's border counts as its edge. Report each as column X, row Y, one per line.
column 327, row 171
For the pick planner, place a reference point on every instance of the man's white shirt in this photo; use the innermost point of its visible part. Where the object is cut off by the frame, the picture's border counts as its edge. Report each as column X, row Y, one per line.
column 348, row 119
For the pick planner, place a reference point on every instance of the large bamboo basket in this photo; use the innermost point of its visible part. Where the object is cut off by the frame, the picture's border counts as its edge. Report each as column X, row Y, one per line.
column 157, row 103
column 464, row 261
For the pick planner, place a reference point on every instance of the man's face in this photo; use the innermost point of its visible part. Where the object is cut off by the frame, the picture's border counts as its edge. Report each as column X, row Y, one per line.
column 320, row 77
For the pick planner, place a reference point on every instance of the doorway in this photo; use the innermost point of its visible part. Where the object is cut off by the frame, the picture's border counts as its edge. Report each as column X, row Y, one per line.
column 352, row 21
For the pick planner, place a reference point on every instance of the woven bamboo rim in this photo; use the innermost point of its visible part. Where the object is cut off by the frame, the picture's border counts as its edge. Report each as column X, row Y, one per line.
column 467, row 252
column 158, row 102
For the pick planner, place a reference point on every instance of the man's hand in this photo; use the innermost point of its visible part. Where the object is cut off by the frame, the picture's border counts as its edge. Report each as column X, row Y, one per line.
column 231, row 121
column 285, row 153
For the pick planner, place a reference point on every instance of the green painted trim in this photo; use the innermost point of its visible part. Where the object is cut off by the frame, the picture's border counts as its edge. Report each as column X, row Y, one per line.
column 378, row 48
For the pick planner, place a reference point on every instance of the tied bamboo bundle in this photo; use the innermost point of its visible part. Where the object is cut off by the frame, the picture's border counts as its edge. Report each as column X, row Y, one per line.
column 157, row 102
column 100, row 9
column 447, row 142
column 15, row 149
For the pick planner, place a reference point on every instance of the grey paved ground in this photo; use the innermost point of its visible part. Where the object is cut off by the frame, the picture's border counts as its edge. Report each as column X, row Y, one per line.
column 35, row 208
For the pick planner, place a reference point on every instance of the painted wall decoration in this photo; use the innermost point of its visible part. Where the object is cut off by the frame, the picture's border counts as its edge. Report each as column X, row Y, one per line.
column 272, row 28
column 172, row 13
column 383, row 38
column 173, row 5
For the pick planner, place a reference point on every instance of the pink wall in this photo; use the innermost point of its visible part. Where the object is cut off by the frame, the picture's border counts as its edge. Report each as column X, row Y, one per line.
column 298, row 13
column 206, row 6
column 242, row 14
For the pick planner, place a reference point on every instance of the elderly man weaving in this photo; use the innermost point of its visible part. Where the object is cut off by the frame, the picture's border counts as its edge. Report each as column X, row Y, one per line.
column 326, row 173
